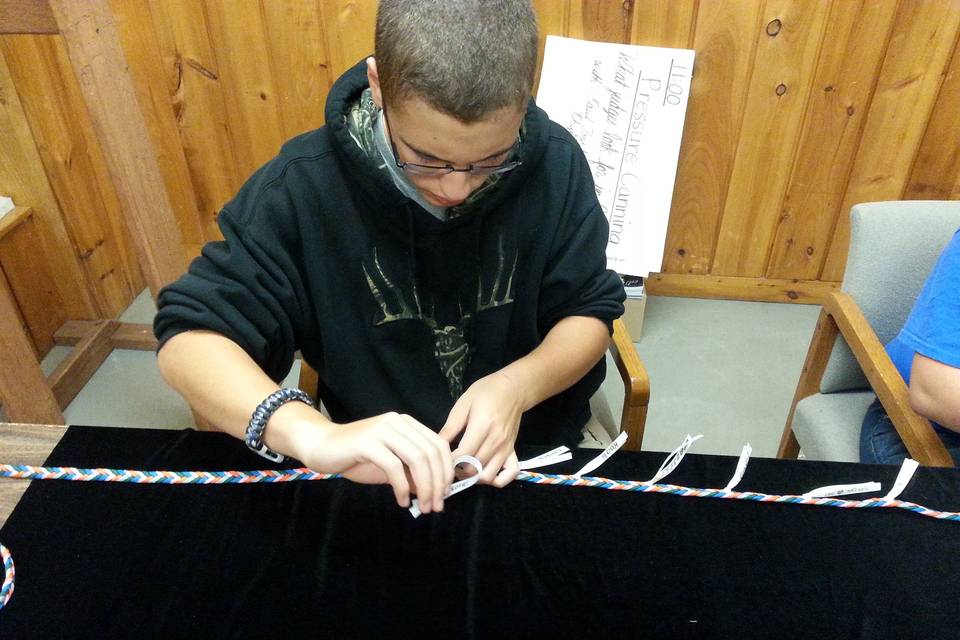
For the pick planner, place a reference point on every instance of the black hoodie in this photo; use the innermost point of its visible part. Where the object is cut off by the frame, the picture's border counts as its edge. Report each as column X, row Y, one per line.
column 397, row 310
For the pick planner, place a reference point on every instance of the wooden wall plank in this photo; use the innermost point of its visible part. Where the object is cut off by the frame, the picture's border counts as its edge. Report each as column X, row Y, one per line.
column 664, row 23
column 350, row 26
column 298, row 63
column 22, row 177
column 197, row 94
column 787, row 50
column 920, row 47
column 91, row 38
column 222, row 84
column 26, row 16
column 32, row 283
column 936, row 172
column 601, row 20
column 553, row 17
column 854, row 44
column 70, row 153
column 239, row 38
column 138, row 37
column 724, row 39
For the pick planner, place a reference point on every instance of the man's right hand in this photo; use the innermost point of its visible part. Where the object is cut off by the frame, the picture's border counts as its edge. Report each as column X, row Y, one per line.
column 223, row 384
column 389, row 449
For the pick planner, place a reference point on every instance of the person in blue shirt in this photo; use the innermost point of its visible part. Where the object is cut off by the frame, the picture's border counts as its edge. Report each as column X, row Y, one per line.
column 926, row 352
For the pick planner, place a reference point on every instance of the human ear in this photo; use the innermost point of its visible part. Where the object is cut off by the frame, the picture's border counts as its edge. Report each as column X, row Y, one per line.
column 374, row 79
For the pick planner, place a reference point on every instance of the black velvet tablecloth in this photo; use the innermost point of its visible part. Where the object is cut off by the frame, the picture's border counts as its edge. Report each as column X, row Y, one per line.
column 332, row 559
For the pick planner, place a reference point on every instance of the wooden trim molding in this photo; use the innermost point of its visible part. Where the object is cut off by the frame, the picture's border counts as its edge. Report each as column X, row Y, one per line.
column 13, row 219
column 687, row 285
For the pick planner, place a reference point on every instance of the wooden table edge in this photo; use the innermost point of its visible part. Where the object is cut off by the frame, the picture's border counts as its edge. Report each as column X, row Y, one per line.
column 23, row 444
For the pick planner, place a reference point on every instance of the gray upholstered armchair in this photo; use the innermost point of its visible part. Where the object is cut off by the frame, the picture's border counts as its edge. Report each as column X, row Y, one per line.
column 893, row 247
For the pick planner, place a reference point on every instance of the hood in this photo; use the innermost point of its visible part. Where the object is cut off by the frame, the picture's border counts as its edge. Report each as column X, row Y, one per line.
column 380, row 188
column 444, row 258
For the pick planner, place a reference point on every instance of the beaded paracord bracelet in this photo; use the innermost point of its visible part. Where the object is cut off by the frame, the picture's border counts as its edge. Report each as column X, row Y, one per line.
column 262, row 414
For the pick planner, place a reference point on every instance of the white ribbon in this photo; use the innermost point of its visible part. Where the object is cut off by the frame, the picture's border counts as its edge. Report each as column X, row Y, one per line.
column 456, row 487
column 560, row 454
column 833, row 490
column 611, row 449
column 671, row 461
column 741, row 467
column 907, row 470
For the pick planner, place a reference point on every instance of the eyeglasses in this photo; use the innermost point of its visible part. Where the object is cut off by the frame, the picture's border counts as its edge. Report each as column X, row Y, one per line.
column 473, row 169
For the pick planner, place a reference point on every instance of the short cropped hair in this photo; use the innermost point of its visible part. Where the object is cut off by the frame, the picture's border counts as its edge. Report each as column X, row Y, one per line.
column 465, row 58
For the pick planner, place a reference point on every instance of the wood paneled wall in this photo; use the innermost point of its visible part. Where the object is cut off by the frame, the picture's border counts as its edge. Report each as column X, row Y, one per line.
column 798, row 109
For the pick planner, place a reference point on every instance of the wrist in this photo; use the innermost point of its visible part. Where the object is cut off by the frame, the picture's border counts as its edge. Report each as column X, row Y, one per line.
column 520, row 384
column 293, row 429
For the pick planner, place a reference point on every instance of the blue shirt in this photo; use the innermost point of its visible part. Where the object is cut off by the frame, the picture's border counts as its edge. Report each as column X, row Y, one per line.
column 933, row 327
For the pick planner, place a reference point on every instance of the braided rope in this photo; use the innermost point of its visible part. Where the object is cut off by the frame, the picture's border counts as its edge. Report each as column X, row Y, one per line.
column 643, row 487
column 6, row 591
column 28, row 472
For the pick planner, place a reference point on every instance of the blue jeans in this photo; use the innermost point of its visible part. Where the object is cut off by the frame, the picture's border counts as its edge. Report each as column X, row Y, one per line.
column 881, row 444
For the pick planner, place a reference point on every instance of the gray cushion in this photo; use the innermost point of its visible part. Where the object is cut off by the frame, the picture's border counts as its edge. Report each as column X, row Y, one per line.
column 827, row 426
column 893, row 247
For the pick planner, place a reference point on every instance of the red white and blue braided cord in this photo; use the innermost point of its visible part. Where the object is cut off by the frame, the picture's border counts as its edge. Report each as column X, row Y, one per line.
column 28, row 472
column 300, row 474
column 643, row 487
column 6, row 591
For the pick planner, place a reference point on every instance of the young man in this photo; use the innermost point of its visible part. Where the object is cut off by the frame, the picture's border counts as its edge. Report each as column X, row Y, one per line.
column 926, row 352
column 436, row 252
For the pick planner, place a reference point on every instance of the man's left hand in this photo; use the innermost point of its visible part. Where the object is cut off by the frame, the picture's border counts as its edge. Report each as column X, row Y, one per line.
column 488, row 414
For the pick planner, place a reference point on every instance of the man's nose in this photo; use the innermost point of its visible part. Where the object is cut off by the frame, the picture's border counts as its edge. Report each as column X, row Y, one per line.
column 457, row 185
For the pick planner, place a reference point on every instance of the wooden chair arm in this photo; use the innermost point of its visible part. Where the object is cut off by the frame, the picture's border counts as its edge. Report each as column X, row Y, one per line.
column 636, row 385
column 818, row 353
column 917, row 433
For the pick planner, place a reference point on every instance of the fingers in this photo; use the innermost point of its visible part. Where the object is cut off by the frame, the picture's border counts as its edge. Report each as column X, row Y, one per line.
column 422, row 457
column 417, row 463
column 509, row 472
column 456, row 419
column 439, row 460
column 393, row 468
column 493, row 467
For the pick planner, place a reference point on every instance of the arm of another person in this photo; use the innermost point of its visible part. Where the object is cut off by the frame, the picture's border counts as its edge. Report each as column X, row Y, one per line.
column 933, row 332
column 224, row 384
column 935, row 391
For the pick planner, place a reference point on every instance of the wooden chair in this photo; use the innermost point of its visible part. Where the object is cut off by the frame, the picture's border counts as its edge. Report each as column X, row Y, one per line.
column 94, row 50
column 636, row 384
column 893, row 247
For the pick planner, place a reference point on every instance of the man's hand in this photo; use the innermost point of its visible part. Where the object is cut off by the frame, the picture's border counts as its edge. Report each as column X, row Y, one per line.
column 389, row 448
column 488, row 414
